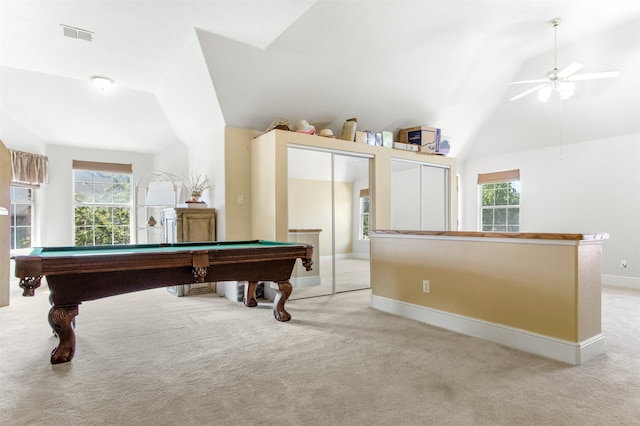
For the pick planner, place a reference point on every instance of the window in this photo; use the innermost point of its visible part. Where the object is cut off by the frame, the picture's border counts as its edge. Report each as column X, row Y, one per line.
column 364, row 214
column 21, row 217
column 500, row 201
column 102, row 204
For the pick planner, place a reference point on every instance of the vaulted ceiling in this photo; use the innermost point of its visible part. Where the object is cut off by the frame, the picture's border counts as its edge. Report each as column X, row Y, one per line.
column 391, row 64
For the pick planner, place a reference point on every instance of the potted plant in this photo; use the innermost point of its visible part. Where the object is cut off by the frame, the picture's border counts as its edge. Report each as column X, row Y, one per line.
column 197, row 184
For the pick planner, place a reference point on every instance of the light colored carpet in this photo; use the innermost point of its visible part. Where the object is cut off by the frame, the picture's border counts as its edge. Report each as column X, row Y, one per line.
column 150, row 358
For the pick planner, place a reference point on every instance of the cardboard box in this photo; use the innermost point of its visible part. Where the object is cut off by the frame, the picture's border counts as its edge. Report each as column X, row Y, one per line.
column 443, row 147
column 425, row 137
column 361, row 137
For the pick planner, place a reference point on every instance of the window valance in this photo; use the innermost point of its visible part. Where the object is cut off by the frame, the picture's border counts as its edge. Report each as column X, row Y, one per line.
column 28, row 169
column 506, row 176
column 102, row 167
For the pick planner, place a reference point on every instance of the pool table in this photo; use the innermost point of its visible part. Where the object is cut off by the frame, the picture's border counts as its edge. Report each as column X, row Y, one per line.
column 78, row 274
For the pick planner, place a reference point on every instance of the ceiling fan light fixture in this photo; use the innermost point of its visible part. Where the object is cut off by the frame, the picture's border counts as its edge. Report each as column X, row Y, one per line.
column 101, row 82
column 544, row 94
column 562, row 81
column 566, row 89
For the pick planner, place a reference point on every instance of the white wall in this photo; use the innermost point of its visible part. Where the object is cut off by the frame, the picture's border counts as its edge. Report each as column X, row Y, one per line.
column 54, row 203
column 587, row 187
column 191, row 105
column 206, row 157
column 173, row 159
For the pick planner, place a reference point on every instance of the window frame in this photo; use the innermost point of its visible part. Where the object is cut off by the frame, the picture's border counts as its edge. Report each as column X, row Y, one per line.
column 103, row 170
column 510, row 178
column 12, row 216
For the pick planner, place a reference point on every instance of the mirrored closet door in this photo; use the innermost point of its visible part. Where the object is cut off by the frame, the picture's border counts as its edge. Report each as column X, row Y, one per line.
column 328, row 201
column 419, row 196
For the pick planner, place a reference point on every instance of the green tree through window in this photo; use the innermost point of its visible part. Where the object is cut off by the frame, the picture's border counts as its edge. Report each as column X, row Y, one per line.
column 500, row 211
column 102, row 208
column 21, row 217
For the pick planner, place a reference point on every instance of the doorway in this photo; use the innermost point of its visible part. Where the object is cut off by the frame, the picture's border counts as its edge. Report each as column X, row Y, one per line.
column 328, row 194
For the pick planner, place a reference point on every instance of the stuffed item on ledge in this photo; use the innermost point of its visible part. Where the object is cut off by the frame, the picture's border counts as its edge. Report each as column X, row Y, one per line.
column 303, row 126
column 327, row 133
column 280, row 124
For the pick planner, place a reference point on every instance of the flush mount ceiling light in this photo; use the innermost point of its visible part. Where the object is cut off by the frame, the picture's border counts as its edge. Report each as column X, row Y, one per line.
column 562, row 81
column 101, row 82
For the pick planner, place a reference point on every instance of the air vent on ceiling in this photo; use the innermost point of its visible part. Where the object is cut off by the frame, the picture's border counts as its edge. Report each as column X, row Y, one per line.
column 74, row 32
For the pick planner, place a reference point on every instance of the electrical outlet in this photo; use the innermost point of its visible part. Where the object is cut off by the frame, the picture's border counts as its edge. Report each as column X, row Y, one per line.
column 623, row 263
column 425, row 286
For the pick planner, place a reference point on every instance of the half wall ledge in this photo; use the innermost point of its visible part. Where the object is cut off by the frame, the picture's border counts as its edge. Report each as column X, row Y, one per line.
column 536, row 292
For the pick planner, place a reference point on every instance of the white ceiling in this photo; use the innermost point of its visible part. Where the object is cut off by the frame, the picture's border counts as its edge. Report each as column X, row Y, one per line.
column 391, row 64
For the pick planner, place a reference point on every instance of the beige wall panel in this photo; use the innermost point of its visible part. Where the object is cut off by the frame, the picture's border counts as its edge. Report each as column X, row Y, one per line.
column 527, row 286
column 263, row 190
column 589, row 291
column 281, row 210
column 237, row 171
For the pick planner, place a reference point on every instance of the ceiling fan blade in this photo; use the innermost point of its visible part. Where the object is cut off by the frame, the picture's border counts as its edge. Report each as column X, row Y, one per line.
column 570, row 70
column 594, row 75
column 529, row 81
column 526, row 92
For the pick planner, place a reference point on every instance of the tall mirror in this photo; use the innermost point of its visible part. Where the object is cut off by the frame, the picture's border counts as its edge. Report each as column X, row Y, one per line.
column 328, row 201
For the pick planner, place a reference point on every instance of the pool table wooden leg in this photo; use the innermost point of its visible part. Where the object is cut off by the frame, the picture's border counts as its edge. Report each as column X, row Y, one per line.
column 250, row 300
column 282, row 295
column 61, row 319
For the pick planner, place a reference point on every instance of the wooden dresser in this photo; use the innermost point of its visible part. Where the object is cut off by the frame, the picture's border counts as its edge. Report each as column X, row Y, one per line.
column 190, row 225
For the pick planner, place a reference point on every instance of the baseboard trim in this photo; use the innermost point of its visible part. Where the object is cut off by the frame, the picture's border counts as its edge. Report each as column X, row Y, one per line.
column 574, row 353
column 301, row 282
column 620, row 281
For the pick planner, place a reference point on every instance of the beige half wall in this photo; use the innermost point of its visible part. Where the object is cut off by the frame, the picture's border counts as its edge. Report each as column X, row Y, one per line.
column 536, row 292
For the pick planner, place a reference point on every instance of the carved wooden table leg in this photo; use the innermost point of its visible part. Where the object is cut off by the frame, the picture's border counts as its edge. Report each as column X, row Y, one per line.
column 29, row 285
column 60, row 319
column 250, row 294
column 282, row 295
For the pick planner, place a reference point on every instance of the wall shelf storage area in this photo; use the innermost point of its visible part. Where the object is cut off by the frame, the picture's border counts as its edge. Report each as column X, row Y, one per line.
column 155, row 191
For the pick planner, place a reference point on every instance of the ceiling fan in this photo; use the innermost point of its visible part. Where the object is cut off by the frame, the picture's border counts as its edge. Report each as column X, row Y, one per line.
column 561, row 81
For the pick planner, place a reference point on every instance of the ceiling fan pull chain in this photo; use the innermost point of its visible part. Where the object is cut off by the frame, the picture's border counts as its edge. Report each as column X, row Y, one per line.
column 561, row 129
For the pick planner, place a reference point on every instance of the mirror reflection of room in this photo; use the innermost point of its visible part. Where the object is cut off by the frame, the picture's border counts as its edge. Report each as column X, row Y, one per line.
column 328, row 196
